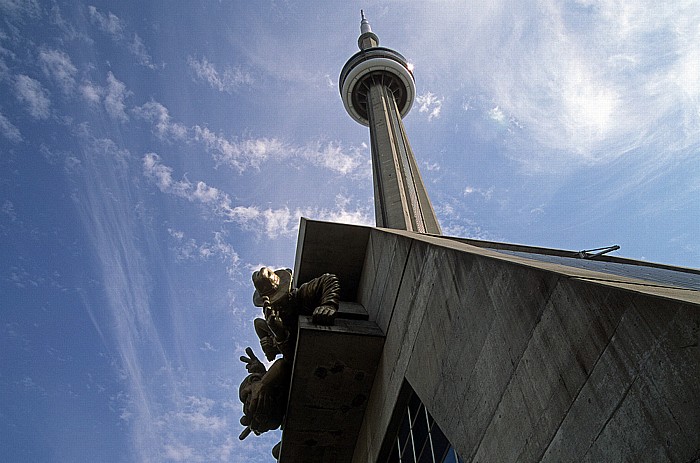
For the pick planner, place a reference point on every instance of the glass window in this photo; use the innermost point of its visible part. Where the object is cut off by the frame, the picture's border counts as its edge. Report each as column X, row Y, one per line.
column 419, row 439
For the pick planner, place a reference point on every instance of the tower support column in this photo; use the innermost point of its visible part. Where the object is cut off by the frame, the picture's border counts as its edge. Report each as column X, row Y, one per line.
column 401, row 201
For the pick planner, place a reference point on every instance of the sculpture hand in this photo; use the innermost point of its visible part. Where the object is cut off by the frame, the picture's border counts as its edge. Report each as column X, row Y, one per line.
column 280, row 332
column 253, row 365
column 260, row 400
column 324, row 315
column 267, row 306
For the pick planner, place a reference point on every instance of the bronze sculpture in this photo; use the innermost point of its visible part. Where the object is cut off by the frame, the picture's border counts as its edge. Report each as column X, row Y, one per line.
column 264, row 391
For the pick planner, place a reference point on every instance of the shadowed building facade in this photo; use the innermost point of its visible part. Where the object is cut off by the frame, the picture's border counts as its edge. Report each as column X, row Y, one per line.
column 449, row 349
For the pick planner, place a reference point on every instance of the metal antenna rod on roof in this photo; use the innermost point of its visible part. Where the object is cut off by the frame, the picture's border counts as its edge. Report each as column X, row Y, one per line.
column 587, row 253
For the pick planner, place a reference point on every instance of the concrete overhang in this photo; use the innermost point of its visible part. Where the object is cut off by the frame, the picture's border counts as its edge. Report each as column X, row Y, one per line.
column 334, row 367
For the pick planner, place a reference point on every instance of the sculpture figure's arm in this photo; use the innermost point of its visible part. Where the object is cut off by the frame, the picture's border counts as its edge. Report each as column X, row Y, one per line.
column 320, row 295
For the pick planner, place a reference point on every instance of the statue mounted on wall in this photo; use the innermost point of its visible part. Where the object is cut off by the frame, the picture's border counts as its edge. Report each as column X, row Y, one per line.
column 264, row 391
column 282, row 304
column 264, row 396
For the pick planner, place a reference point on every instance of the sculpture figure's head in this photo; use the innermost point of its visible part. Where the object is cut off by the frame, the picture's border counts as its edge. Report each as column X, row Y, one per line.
column 275, row 284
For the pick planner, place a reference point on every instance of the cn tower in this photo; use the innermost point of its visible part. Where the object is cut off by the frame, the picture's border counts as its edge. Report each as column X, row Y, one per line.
column 378, row 90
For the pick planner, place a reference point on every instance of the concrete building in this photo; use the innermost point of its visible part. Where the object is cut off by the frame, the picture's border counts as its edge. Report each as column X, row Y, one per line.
column 449, row 349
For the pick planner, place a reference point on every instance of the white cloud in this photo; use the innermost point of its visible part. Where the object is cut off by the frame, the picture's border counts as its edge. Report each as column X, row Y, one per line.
column 115, row 27
column 114, row 98
column 497, row 115
column 138, row 49
column 267, row 221
column 64, row 26
column 332, row 156
column 9, row 210
column 244, row 154
column 162, row 175
column 177, row 451
column 9, row 130
column 108, row 23
column 190, row 249
column 430, row 103
column 33, row 95
column 58, row 66
column 486, row 194
column 587, row 81
column 158, row 115
column 18, row 8
column 432, row 167
column 239, row 154
column 91, row 93
column 227, row 81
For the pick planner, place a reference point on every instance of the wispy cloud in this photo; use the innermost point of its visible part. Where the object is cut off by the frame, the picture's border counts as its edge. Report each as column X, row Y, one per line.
column 138, row 49
column 429, row 103
column 105, row 205
column 486, row 194
column 107, row 22
column 68, row 30
column 91, row 92
column 243, row 154
column 497, row 115
column 115, row 94
column 265, row 221
column 190, row 249
column 157, row 114
column 116, row 29
column 229, row 80
column 9, row 130
column 586, row 81
column 19, row 8
column 249, row 153
column 58, row 65
column 36, row 98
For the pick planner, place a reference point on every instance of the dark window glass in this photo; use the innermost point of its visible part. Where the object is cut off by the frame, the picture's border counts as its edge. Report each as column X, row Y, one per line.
column 440, row 443
column 420, row 430
column 419, row 439
column 408, row 456
column 394, row 455
column 404, row 431
column 414, row 404
column 426, row 453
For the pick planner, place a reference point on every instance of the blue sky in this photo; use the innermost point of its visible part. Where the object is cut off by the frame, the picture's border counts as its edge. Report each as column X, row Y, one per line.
column 155, row 153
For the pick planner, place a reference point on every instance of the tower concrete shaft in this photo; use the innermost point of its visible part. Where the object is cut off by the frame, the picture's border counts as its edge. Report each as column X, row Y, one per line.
column 378, row 89
column 400, row 198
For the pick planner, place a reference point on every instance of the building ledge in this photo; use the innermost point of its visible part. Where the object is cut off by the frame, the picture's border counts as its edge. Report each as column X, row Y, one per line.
column 334, row 368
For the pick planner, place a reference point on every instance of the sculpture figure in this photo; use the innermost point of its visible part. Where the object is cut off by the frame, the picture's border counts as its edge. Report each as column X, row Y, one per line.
column 283, row 304
column 264, row 392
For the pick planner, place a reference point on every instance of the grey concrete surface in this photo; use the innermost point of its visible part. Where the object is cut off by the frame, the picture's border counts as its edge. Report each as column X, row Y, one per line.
column 524, row 360
column 520, row 360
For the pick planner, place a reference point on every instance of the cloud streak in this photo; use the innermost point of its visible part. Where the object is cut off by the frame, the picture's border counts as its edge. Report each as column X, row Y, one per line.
column 113, row 26
column 115, row 94
column 35, row 97
column 58, row 65
column 269, row 222
column 9, row 130
column 429, row 103
column 249, row 153
column 586, row 81
column 229, row 80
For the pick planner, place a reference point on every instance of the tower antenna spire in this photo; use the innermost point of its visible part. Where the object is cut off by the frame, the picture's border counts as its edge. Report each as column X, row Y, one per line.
column 364, row 24
column 368, row 39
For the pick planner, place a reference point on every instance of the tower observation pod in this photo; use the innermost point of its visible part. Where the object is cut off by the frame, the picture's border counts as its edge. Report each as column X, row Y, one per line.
column 378, row 90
